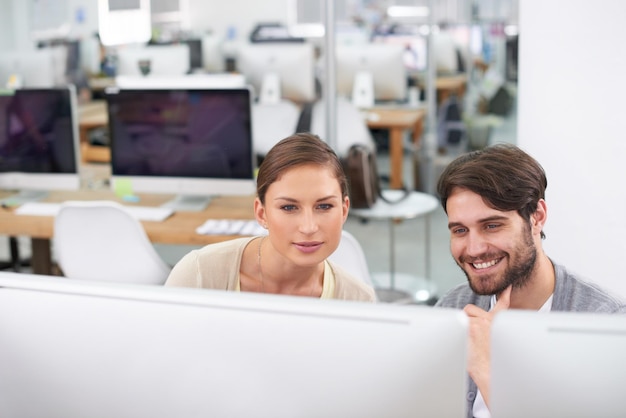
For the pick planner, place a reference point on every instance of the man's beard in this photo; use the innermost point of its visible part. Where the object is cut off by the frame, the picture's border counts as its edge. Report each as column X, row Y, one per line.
column 517, row 274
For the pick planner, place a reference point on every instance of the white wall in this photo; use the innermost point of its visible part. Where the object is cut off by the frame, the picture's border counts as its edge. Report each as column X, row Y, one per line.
column 572, row 118
column 6, row 25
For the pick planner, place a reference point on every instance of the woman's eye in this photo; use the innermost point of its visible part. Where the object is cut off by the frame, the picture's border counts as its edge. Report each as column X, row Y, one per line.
column 288, row 208
column 325, row 206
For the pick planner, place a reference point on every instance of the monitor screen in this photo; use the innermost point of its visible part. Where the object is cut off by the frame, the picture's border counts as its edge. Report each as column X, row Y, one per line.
column 558, row 364
column 75, row 348
column 182, row 141
column 384, row 63
column 39, row 139
column 290, row 64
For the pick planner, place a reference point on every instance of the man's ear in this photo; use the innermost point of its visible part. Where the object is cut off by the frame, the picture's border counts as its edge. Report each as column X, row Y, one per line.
column 539, row 217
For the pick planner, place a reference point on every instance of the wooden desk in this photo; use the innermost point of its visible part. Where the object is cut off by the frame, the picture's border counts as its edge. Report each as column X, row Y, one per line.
column 397, row 120
column 445, row 85
column 90, row 116
column 449, row 85
column 180, row 228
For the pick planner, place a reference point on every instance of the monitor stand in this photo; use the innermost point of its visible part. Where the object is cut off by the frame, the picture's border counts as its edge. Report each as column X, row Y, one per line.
column 363, row 90
column 188, row 203
column 24, row 196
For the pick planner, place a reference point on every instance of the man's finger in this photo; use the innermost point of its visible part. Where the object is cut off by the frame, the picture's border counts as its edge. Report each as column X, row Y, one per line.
column 504, row 300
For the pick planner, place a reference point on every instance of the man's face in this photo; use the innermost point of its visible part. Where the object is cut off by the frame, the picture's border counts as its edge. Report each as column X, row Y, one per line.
column 495, row 249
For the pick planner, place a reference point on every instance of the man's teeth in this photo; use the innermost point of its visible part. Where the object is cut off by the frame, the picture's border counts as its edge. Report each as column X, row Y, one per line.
column 485, row 264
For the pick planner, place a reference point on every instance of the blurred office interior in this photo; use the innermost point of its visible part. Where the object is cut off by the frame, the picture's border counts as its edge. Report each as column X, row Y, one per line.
column 470, row 44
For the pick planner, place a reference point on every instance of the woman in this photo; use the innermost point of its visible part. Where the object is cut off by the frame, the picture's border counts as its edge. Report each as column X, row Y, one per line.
column 302, row 201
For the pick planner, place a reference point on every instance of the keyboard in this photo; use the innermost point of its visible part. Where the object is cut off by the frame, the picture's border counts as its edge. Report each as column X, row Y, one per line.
column 143, row 213
column 231, row 227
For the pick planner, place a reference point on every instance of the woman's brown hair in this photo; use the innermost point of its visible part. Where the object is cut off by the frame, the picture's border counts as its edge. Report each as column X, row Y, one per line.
column 296, row 150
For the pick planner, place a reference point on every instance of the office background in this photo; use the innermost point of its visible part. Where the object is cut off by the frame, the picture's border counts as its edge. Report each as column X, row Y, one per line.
column 569, row 110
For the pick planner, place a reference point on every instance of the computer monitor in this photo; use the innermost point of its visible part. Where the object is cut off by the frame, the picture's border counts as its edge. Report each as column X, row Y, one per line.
column 213, row 57
column 123, row 22
column 39, row 68
column 162, row 60
column 558, row 364
column 196, row 61
column 65, row 49
column 195, row 143
column 72, row 348
column 38, row 142
column 445, row 56
column 415, row 49
column 361, row 67
column 279, row 70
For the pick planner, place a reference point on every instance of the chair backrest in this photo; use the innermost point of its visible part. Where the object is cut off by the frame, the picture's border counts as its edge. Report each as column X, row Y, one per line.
column 100, row 240
column 350, row 256
column 351, row 125
column 451, row 130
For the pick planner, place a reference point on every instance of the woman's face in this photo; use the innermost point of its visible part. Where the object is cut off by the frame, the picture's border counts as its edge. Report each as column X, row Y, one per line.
column 304, row 213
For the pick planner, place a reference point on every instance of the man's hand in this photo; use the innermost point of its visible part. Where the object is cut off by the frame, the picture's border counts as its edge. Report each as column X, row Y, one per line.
column 479, row 367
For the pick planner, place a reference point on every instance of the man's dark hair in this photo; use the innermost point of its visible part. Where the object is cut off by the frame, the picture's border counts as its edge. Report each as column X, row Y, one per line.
column 506, row 177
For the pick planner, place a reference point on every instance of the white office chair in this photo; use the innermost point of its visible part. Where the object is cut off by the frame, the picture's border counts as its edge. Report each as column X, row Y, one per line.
column 351, row 126
column 100, row 240
column 350, row 256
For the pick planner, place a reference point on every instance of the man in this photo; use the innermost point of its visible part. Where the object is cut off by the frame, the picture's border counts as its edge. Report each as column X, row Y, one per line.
column 494, row 199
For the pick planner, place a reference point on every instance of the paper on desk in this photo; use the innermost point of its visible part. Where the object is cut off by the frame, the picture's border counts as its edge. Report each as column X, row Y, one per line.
column 230, row 227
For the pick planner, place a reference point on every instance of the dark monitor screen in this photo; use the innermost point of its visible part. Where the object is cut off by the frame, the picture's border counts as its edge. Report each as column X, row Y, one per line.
column 38, row 142
column 164, row 139
column 36, row 131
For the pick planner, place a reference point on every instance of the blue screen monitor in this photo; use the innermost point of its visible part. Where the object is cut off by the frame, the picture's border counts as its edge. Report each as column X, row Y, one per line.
column 38, row 141
column 76, row 348
column 194, row 143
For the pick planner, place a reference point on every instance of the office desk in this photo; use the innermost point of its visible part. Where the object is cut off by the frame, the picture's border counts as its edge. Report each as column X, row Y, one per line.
column 445, row 85
column 180, row 228
column 397, row 120
column 449, row 85
column 90, row 116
